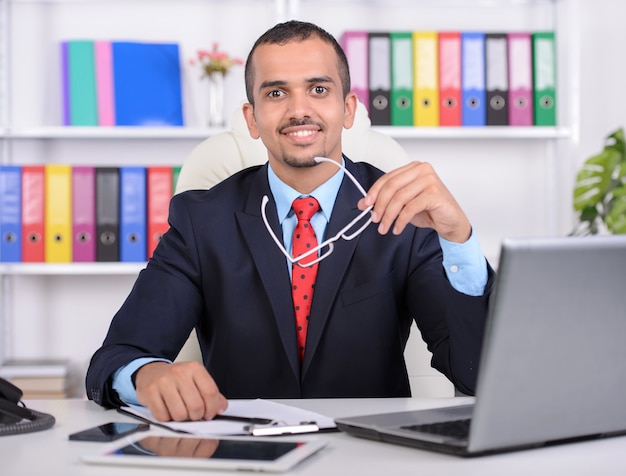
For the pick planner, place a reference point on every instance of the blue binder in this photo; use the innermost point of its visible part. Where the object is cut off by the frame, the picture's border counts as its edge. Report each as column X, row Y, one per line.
column 473, row 95
column 10, row 213
column 133, row 214
column 147, row 85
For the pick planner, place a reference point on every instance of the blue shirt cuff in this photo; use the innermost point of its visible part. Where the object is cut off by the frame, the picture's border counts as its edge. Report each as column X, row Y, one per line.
column 465, row 265
column 122, row 379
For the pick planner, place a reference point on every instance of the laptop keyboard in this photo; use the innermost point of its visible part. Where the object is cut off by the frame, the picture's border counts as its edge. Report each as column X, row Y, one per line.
column 453, row 428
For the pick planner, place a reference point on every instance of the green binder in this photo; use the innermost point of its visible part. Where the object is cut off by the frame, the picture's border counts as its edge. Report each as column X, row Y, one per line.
column 401, row 78
column 175, row 174
column 544, row 78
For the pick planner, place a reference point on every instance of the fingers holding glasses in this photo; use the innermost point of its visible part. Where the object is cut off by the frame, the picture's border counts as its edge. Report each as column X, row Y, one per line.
column 415, row 194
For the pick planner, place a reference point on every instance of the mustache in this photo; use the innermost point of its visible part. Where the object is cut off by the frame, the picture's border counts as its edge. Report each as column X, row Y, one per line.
column 300, row 122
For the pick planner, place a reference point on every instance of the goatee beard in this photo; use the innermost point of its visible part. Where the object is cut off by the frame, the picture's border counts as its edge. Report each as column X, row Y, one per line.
column 302, row 162
column 296, row 161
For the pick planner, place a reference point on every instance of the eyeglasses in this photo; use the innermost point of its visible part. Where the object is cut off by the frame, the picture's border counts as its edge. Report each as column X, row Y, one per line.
column 329, row 243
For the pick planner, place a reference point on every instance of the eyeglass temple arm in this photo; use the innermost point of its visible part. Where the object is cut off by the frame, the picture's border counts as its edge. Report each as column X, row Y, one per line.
column 345, row 170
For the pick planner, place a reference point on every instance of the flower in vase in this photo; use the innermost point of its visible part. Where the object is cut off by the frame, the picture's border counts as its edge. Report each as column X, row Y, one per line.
column 214, row 61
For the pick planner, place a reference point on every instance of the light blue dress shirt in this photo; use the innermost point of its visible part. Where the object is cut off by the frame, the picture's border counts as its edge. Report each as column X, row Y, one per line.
column 464, row 263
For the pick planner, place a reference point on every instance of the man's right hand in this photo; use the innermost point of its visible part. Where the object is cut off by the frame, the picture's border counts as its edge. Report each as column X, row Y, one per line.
column 180, row 391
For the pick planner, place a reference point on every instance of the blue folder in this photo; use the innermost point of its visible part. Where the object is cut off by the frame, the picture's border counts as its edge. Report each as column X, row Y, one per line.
column 133, row 214
column 473, row 95
column 10, row 213
column 147, row 85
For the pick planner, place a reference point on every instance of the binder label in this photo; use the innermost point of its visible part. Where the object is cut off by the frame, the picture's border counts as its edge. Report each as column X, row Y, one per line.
column 474, row 73
column 545, row 68
column 402, row 70
column 426, row 56
column 450, row 66
column 496, row 52
column 380, row 61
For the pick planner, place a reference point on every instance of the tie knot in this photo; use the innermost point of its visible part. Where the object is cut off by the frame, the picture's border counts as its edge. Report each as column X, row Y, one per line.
column 305, row 207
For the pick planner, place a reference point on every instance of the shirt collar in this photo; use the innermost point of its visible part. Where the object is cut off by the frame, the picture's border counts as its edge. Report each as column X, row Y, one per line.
column 284, row 195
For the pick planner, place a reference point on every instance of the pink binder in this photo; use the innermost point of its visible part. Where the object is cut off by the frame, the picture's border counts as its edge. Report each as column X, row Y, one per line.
column 83, row 214
column 104, row 83
column 520, row 79
column 356, row 46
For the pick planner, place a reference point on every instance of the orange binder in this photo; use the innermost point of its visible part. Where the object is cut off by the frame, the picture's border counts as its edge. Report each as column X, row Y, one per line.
column 450, row 78
column 33, row 213
column 58, row 213
column 426, row 83
column 159, row 191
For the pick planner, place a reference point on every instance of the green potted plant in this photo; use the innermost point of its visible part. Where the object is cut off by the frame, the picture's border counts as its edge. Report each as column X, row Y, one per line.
column 600, row 190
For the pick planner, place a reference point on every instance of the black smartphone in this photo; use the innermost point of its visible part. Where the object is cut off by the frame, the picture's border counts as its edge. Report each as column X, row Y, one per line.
column 109, row 431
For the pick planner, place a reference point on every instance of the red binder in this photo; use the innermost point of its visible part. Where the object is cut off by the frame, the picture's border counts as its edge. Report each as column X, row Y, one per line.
column 159, row 193
column 33, row 213
column 83, row 214
column 449, row 78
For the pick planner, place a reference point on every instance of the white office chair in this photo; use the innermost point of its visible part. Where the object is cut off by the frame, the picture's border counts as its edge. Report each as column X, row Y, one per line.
column 220, row 156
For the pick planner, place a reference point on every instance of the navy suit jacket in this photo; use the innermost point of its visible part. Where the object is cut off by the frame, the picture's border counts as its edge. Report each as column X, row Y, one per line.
column 218, row 270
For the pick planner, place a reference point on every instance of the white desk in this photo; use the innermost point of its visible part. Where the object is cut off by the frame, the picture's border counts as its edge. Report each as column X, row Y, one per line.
column 50, row 452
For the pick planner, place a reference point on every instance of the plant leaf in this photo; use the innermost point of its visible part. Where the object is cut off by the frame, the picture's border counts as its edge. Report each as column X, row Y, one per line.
column 616, row 216
column 600, row 189
column 619, row 143
column 594, row 178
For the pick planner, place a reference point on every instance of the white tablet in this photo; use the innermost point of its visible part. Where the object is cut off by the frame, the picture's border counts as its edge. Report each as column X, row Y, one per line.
column 189, row 451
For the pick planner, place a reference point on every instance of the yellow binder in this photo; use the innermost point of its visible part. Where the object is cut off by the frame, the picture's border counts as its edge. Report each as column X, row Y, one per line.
column 426, row 83
column 58, row 218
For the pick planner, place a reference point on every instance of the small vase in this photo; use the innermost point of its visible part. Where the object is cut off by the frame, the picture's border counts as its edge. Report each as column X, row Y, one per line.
column 216, row 99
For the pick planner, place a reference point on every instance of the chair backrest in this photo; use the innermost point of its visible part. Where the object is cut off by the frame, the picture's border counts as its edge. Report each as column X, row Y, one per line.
column 223, row 154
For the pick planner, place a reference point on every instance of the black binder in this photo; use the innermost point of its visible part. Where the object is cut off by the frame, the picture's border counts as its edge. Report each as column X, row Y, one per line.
column 379, row 48
column 497, row 79
column 107, row 213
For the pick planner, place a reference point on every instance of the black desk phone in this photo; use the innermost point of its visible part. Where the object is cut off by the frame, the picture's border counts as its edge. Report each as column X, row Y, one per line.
column 15, row 417
column 10, row 410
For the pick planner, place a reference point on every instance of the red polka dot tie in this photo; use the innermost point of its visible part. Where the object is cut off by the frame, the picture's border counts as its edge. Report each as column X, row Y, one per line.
column 303, row 278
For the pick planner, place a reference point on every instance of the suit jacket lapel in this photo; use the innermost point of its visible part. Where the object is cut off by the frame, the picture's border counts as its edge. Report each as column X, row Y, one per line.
column 332, row 269
column 270, row 262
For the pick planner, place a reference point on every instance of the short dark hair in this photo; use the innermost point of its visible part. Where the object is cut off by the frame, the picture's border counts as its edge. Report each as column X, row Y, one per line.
column 294, row 30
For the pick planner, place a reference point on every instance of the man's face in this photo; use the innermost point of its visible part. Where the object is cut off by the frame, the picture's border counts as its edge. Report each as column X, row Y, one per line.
column 299, row 109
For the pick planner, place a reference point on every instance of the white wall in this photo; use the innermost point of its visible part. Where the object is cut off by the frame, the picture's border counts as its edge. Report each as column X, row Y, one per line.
column 603, row 91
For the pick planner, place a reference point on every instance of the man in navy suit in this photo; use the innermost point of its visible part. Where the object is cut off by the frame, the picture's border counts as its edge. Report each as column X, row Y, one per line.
column 220, row 267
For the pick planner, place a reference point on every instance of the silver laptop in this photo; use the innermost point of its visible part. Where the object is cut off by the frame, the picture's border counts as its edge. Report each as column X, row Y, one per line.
column 553, row 365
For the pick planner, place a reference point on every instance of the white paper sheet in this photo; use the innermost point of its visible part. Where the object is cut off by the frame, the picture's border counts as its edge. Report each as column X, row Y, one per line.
column 286, row 415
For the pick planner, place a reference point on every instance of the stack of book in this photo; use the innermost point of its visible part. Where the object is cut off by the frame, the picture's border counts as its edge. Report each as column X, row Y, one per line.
column 39, row 378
